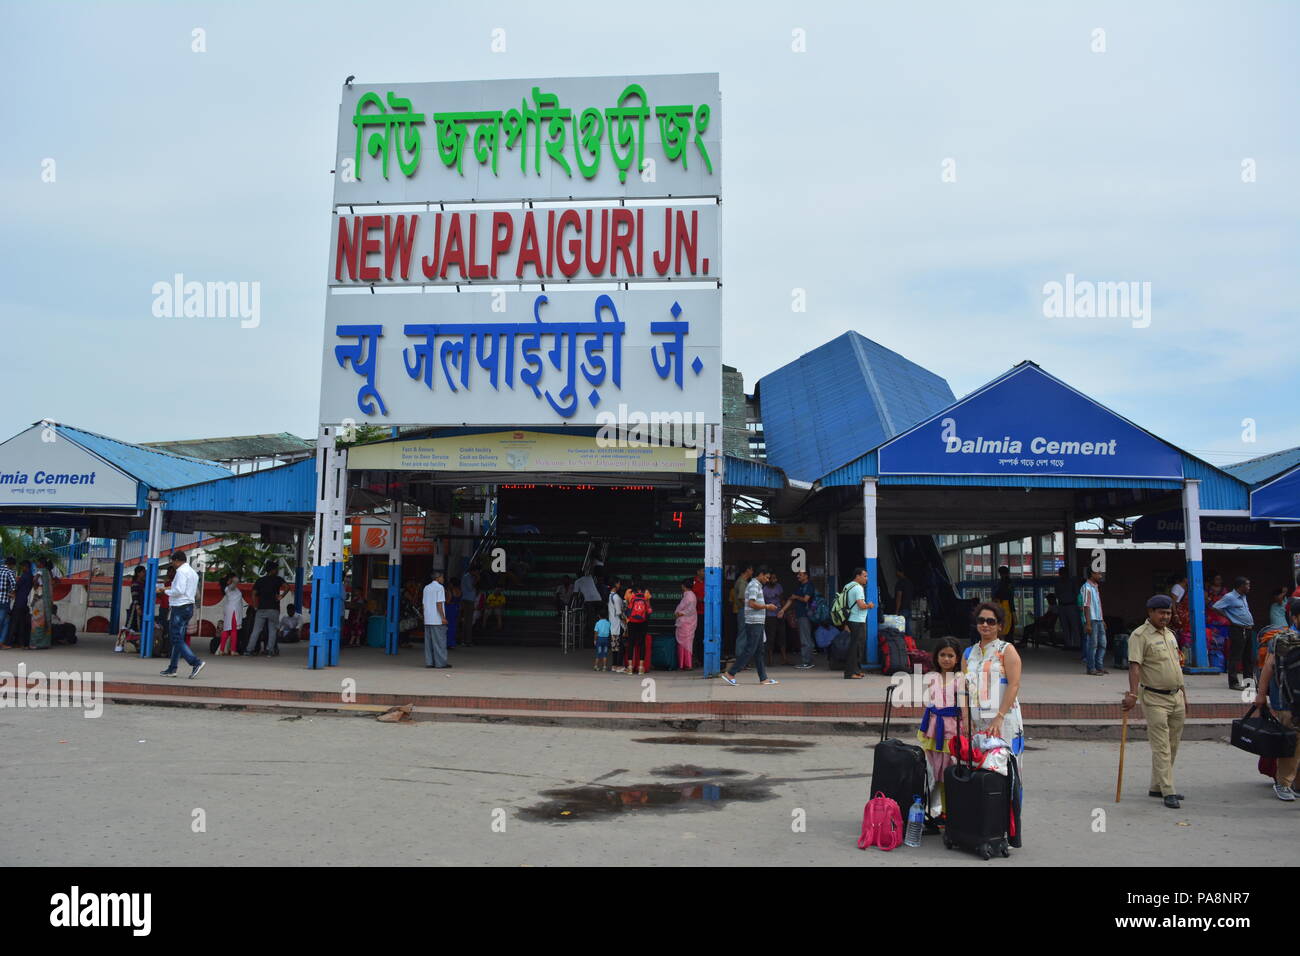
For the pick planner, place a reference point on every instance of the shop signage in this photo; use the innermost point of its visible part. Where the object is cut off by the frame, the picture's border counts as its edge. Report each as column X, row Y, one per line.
column 374, row 535
column 1029, row 423
column 518, row 451
column 1169, row 526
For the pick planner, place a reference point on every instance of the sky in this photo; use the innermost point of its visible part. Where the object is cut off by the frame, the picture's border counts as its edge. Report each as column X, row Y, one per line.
column 1170, row 156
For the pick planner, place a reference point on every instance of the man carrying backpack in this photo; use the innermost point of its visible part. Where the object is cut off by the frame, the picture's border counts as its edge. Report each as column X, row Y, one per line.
column 1279, row 690
column 850, row 613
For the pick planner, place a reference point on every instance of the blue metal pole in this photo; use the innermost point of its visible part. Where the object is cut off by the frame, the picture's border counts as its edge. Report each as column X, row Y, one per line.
column 871, row 547
column 1200, row 663
column 115, row 609
column 326, row 615
column 150, row 603
column 392, row 636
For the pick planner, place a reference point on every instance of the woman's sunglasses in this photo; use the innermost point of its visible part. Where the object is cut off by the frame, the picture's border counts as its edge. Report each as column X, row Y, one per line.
column 986, row 620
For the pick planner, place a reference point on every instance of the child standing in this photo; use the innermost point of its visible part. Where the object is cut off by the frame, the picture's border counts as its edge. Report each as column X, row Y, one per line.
column 496, row 604
column 602, row 644
column 686, row 616
column 231, row 605
column 939, row 721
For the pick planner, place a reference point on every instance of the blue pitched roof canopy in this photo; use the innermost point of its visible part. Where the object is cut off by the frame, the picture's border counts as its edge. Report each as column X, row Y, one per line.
column 153, row 468
column 1065, row 440
column 825, row 407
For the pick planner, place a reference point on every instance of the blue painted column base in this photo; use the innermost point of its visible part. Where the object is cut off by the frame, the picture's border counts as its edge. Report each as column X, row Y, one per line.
column 326, row 615
column 1200, row 662
column 150, row 603
column 872, row 591
column 391, row 633
column 712, row 621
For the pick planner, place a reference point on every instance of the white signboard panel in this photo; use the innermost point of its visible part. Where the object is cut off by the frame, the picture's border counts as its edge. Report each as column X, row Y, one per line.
column 500, row 140
column 522, row 358
column 39, row 473
column 577, row 243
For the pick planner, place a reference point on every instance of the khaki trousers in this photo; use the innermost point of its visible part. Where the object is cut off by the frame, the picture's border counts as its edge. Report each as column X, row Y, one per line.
column 1165, row 715
column 1286, row 766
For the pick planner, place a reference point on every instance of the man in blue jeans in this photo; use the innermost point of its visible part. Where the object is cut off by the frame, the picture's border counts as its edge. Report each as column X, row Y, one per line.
column 750, row 643
column 1094, row 644
column 180, row 597
column 8, row 587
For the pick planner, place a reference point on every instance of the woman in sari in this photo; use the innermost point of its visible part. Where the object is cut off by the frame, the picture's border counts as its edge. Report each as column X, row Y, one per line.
column 42, row 605
column 1215, row 621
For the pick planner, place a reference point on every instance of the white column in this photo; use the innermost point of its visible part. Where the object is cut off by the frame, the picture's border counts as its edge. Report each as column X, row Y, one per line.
column 1195, row 575
column 871, row 555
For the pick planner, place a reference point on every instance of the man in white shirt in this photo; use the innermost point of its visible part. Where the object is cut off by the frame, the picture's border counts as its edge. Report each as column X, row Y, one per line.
column 180, row 600
column 435, row 622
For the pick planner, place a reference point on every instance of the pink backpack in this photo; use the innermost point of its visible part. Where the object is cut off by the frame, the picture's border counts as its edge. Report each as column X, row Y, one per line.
column 882, row 823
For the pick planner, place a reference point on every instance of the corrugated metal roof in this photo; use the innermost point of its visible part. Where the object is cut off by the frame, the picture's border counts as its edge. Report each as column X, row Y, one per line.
column 151, row 467
column 746, row 473
column 824, row 408
column 1256, row 471
column 240, row 446
column 285, row 488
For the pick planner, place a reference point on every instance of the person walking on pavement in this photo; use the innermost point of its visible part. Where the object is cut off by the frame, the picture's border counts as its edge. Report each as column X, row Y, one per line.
column 1156, row 680
column 269, row 588
column 1282, row 697
column 857, row 623
column 180, row 600
column 1240, row 648
column 801, row 600
column 8, row 585
column 738, row 605
column 435, row 622
column 1094, row 642
column 749, row 645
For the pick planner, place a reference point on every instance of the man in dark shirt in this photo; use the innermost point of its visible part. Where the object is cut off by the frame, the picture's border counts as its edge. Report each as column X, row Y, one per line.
column 269, row 589
column 20, row 624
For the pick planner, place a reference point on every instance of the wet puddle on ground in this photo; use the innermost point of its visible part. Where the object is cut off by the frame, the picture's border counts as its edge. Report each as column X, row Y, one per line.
column 688, row 771
column 766, row 744
column 595, row 803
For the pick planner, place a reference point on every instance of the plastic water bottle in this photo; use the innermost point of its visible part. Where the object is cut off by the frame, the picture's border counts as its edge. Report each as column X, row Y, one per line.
column 915, row 821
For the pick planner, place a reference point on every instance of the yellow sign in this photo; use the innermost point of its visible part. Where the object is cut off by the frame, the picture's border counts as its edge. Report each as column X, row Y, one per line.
column 522, row 451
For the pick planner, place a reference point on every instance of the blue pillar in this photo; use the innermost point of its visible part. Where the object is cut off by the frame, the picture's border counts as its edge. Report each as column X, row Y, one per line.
column 300, row 570
column 150, row 604
column 326, row 614
column 391, row 635
column 871, row 548
column 712, row 621
column 1199, row 664
column 115, row 610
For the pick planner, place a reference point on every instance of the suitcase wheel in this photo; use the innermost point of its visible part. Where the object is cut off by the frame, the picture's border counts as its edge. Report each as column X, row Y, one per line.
column 984, row 852
column 1006, row 851
column 947, row 844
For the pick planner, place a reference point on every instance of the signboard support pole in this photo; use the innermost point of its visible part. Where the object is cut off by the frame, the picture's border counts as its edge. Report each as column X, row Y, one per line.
column 300, row 572
column 151, row 578
column 394, row 604
column 832, row 560
column 115, row 609
column 1195, row 577
column 714, row 464
column 327, row 560
column 1036, row 558
column 870, row 550
column 1071, row 546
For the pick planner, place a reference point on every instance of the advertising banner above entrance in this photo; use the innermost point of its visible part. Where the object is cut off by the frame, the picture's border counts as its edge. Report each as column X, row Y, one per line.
column 521, row 451
column 41, row 473
column 1029, row 423
column 511, row 358
column 374, row 536
column 504, row 140
column 1168, row 526
column 571, row 244
column 1279, row 500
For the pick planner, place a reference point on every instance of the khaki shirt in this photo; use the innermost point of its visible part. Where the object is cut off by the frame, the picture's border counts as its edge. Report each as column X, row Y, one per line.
column 1157, row 653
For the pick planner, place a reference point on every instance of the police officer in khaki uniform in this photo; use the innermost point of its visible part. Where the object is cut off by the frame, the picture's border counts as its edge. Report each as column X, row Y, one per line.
column 1156, row 678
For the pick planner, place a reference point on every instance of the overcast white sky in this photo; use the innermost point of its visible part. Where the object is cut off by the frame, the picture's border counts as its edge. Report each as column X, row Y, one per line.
column 1114, row 166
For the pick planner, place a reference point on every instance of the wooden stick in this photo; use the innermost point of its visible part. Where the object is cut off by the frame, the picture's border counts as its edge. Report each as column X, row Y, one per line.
column 1123, row 738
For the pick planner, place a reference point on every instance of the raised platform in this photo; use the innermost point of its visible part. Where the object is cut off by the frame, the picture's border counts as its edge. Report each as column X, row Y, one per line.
column 542, row 685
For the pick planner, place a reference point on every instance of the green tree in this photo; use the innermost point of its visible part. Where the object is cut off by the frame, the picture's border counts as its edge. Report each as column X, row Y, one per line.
column 19, row 543
column 243, row 555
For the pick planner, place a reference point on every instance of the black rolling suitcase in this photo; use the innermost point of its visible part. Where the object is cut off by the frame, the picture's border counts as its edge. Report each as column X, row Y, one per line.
column 898, row 769
column 978, row 804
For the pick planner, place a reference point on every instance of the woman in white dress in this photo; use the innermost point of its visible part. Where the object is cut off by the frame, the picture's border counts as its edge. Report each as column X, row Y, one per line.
column 993, row 669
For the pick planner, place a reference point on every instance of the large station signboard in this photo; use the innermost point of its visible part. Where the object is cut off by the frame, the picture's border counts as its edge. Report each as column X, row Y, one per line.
column 513, row 252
